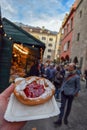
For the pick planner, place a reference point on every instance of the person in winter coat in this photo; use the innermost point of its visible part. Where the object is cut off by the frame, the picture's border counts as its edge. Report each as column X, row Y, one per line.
column 34, row 70
column 69, row 89
column 58, row 79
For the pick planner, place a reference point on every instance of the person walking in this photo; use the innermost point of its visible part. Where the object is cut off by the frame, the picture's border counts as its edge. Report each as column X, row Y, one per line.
column 69, row 89
column 52, row 72
column 58, row 79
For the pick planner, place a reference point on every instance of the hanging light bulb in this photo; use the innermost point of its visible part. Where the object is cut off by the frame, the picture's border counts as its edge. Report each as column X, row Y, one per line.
column 33, row 46
column 10, row 38
column 22, row 50
column 1, row 26
column 5, row 34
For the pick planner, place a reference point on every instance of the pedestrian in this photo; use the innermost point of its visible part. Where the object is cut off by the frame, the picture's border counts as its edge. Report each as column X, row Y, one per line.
column 62, row 69
column 69, row 89
column 4, row 99
column 85, row 76
column 52, row 71
column 58, row 79
column 34, row 70
column 45, row 71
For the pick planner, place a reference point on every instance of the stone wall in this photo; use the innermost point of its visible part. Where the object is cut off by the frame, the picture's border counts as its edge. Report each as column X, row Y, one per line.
column 79, row 47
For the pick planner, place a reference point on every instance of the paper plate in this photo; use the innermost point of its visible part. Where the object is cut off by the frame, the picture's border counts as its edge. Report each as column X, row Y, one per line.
column 17, row 111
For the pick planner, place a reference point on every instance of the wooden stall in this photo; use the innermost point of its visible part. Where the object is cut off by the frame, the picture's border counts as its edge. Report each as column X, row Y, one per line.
column 18, row 50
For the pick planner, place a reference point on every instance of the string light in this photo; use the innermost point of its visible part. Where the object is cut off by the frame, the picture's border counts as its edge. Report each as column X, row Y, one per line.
column 10, row 38
column 1, row 26
column 20, row 49
column 5, row 34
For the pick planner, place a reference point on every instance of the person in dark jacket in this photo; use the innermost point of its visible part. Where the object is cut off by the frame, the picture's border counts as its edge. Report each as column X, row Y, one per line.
column 34, row 70
column 69, row 89
column 58, row 79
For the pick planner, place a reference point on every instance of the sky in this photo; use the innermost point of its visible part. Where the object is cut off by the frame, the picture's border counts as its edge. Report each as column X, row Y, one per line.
column 37, row 13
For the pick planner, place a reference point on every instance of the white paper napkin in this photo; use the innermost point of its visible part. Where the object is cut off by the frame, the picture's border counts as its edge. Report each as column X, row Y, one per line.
column 17, row 111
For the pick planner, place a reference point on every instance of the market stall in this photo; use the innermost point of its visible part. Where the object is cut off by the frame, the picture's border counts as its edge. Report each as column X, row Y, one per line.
column 18, row 51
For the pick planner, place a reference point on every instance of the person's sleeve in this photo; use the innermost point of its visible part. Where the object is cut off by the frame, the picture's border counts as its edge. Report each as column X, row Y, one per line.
column 77, row 85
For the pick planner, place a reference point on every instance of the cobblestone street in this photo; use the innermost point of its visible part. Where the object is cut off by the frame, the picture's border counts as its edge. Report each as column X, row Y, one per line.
column 77, row 118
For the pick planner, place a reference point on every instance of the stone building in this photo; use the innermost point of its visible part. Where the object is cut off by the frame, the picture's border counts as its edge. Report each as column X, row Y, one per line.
column 79, row 39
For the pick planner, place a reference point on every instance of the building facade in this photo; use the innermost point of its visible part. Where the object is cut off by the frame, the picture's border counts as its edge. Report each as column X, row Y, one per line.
column 58, row 46
column 67, row 32
column 46, row 36
column 79, row 40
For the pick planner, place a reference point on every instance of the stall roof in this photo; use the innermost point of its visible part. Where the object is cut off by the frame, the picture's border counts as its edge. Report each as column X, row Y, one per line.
column 19, row 35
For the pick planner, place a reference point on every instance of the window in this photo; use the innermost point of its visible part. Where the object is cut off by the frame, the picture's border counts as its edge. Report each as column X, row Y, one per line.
column 48, row 56
column 65, row 47
column 50, row 39
column 43, row 38
column 62, row 30
column 81, row 61
column 68, row 44
column 80, row 13
column 71, row 23
column 67, row 28
column 78, row 36
column 49, row 50
column 50, row 44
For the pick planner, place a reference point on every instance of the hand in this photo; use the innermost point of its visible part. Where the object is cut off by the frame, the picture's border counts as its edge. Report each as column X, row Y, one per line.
column 4, row 98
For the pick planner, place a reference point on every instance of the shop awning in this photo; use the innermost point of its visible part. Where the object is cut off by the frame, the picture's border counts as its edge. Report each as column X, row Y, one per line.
column 17, row 34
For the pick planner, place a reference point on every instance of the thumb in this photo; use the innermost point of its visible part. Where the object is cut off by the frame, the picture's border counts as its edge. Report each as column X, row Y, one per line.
column 7, row 92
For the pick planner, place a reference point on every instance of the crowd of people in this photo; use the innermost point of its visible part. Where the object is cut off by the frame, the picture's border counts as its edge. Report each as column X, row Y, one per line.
column 55, row 73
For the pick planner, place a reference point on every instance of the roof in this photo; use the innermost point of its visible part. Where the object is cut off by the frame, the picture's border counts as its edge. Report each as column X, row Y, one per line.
column 39, row 30
column 73, row 8
column 19, row 35
column 42, row 30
